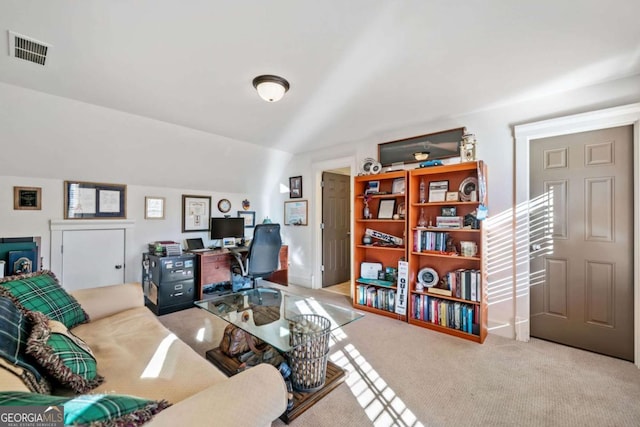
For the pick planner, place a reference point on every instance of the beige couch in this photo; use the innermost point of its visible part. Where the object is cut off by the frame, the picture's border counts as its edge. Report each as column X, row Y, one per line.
column 137, row 355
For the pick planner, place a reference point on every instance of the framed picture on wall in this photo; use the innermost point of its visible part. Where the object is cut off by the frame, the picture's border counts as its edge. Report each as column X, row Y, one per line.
column 196, row 213
column 249, row 218
column 295, row 187
column 87, row 200
column 295, row 213
column 154, row 207
column 27, row 198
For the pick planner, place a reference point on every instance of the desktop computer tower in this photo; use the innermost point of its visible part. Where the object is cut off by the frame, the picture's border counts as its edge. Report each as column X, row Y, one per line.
column 168, row 282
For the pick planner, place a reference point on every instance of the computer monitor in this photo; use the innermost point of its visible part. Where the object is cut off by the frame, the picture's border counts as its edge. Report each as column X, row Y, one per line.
column 222, row 228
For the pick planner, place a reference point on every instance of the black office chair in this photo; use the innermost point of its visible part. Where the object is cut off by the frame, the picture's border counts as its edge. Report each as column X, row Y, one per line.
column 263, row 256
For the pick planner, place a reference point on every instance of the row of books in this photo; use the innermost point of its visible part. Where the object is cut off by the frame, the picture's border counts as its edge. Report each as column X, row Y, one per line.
column 465, row 284
column 424, row 240
column 372, row 296
column 450, row 314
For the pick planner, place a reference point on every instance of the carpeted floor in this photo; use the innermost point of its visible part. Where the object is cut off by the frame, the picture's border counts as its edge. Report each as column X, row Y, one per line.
column 403, row 375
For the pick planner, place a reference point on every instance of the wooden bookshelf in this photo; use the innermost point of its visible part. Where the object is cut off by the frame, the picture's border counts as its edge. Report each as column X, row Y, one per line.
column 463, row 314
column 378, row 251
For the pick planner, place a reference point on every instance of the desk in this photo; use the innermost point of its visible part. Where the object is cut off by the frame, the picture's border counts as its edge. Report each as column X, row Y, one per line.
column 214, row 267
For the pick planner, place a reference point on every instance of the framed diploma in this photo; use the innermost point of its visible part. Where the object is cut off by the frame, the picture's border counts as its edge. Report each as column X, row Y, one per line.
column 196, row 213
column 90, row 200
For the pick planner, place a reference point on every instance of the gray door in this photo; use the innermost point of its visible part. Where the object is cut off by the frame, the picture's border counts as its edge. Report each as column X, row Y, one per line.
column 336, row 253
column 581, row 231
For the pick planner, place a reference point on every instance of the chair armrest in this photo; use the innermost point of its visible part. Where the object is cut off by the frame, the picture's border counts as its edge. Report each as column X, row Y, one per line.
column 108, row 300
column 255, row 397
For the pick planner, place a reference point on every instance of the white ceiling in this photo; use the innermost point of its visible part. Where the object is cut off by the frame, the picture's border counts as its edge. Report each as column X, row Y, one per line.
column 357, row 68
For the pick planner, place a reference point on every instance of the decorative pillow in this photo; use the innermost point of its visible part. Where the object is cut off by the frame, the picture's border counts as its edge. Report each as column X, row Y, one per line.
column 41, row 292
column 96, row 410
column 14, row 331
column 64, row 356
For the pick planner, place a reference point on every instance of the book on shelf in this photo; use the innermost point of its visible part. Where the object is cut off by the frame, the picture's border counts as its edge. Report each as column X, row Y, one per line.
column 439, row 291
column 446, row 313
column 376, row 297
column 449, row 222
column 376, row 282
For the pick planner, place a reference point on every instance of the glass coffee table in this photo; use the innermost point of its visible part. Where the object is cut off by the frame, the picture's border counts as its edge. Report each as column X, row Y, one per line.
column 269, row 314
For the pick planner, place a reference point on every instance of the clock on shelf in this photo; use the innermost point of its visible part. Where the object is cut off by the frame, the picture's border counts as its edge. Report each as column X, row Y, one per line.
column 224, row 205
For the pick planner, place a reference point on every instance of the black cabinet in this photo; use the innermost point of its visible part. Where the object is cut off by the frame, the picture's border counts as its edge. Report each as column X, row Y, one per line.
column 168, row 282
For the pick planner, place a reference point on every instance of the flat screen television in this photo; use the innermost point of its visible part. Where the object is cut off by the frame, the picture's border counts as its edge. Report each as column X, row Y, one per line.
column 227, row 227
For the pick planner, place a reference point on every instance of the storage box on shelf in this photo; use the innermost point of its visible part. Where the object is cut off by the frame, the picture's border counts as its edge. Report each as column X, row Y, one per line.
column 447, row 264
column 379, row 238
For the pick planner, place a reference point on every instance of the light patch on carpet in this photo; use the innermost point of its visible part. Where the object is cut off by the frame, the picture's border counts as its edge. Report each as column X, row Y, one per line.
column 379, row 402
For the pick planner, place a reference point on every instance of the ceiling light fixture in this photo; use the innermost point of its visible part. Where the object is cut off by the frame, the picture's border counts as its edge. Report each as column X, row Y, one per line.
column 271, row 88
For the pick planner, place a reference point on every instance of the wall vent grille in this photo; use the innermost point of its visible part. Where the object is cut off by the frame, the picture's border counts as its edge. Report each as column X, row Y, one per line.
column 27, row 48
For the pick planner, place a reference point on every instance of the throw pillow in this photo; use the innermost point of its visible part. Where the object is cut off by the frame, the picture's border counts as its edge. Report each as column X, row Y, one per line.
column 41, row 292
column 96, row 410
column 64, row 356
column 14, row 331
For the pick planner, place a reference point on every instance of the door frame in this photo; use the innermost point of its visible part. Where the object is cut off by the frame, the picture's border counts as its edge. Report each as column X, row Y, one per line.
column 317, row 169
column 58, row 227
column 524, row 134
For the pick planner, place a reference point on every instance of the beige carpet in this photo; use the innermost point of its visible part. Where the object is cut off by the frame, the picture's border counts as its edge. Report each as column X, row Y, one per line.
column 403, row 375
column 341, row 288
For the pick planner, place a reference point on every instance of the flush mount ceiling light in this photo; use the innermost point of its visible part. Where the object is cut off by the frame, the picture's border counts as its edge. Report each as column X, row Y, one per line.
column 271, row 88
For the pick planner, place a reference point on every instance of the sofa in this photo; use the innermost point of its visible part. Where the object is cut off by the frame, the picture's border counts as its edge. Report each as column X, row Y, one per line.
column 135, row 355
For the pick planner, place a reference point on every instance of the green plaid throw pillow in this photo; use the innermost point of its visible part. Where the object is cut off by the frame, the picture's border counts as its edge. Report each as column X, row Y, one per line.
column 41, row 292
column 96, row 410
column 64, row 356
column 14, row 331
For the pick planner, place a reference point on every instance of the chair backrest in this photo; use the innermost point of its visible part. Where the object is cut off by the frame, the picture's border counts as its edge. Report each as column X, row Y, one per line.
column 264, row 250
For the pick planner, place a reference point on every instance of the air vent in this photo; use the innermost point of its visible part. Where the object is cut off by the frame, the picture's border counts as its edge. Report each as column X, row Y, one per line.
column 26, row 48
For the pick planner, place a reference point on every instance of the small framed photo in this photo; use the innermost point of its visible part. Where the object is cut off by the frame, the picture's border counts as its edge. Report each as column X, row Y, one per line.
column 196, row 213
column 295, row 187
column 249, row 218
column 387, row 208
column 401, row 210
column 398, row 186
column 27, row 198
column 452, row 196
column 372, row 187
column 448, row 211
column 154, row 207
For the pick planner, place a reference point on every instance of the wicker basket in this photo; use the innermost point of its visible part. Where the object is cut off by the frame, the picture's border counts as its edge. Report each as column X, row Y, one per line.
column 309, row 337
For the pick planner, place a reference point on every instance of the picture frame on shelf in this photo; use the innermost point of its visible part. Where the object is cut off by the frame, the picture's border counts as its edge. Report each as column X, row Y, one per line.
column 401, row 209
column 91, row 200
column 154, row 207
column 386, row 208
column 249, row 218
column 397, row 187
column 438, row 190
column 295, row 212
column 196, row 213
column 448, row 211
column 295, row 187
column 27, row 198
column 452, row 196
column 373, row 187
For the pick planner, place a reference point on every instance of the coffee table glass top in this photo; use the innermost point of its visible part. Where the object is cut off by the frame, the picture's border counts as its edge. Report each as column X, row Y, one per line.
column 267, row 313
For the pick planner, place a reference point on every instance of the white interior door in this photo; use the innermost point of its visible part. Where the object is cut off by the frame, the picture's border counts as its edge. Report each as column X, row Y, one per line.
column 92, row 258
